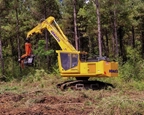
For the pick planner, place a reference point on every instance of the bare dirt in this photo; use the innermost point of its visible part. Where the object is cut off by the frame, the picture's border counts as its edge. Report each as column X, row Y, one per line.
column 41, row 103
column 38, row 104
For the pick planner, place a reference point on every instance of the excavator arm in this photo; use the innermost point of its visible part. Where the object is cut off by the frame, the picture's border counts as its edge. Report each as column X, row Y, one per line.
column 54, row 29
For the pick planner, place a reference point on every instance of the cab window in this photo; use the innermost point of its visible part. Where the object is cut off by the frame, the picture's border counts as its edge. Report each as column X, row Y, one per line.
column 74, row 58
column 68, row 60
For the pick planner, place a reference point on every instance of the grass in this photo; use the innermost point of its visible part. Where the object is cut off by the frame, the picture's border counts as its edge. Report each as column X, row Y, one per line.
column 119, row 105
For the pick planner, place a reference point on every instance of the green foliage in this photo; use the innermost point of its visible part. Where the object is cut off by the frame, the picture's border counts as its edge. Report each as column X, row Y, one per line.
column 38, row 75
column 42, row 55
column 56, row 69
column 40, row 51
column 45, row 8
column 13, row 71
column 138, row 85
column 133, row 67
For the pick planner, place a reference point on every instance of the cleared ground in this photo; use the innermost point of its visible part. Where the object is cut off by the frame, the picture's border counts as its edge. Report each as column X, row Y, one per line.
column 43, row 98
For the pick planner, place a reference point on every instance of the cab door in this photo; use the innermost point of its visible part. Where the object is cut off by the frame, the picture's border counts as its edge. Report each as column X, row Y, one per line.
column 68, row 62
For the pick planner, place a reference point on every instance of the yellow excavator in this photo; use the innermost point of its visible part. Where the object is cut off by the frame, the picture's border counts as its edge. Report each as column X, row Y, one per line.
column 73, row 63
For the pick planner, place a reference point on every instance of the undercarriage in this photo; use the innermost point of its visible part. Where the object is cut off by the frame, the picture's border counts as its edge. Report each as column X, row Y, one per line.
column 84, row 84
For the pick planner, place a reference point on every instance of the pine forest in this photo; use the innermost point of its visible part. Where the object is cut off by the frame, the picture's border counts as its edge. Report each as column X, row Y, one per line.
column 113, row 29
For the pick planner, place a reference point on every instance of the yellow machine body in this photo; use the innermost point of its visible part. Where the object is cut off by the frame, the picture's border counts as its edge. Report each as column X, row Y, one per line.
column 69, row 59
column 71, row 66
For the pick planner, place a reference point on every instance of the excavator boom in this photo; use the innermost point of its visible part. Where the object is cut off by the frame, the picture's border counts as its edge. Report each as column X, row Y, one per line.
column 54, row 29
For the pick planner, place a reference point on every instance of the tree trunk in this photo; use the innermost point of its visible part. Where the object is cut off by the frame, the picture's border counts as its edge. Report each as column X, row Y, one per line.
column 99, row 27
column 46, row 38
column 1, row 60
column 18, row 40
column 113, row 37
column 103, row 45
column 142, row 37
column 107, row 43
column 115, row 30
column 75, row 24
column 133, row 37
column 120, row 35
column 90, row 46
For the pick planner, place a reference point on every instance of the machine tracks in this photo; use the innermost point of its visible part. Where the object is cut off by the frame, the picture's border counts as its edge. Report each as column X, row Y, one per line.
column 84, row 84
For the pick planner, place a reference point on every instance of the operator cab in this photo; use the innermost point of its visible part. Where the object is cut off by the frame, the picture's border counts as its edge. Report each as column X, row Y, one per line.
column 68, row 60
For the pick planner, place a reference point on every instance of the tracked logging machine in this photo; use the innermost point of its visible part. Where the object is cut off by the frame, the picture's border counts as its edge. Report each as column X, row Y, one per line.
column 73, row 63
